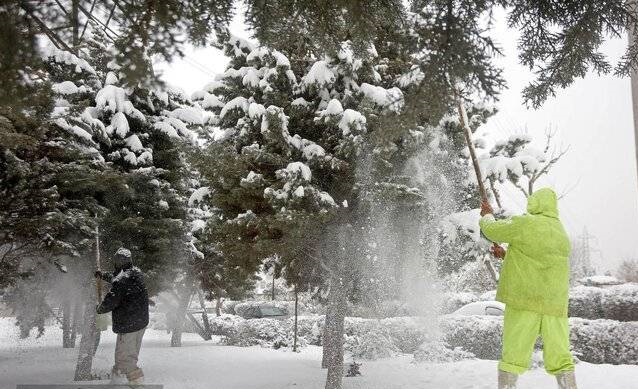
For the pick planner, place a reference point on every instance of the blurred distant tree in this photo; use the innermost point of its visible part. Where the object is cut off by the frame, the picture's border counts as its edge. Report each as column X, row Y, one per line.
column 628, row 270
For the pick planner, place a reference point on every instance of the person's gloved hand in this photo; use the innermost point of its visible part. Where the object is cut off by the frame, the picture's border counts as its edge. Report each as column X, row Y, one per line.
column 98, row 274
column 498, row 251
column 486, row 208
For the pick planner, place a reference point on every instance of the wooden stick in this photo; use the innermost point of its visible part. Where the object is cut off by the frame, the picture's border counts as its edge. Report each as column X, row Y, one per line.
column 98, row 281
column 477, row 168
column 468, row 139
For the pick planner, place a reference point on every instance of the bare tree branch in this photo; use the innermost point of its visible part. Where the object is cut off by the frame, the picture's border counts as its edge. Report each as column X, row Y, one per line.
column 57, row 41
column 87, row 20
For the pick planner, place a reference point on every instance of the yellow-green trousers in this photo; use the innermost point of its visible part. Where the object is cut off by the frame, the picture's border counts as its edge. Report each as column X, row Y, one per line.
column 520, row 330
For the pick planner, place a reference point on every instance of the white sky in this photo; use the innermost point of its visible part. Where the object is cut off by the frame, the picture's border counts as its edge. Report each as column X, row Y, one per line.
column 592, row 117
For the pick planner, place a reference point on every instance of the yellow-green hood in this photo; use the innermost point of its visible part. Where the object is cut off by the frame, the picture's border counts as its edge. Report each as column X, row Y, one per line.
column 543, row 202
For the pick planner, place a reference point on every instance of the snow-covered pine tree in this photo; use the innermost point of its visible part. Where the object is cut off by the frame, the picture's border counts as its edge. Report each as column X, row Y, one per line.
column 282, row 167
column 259, row 174
column 87, row 166
column 217, row 277
column 144, row 137
column 68, row 169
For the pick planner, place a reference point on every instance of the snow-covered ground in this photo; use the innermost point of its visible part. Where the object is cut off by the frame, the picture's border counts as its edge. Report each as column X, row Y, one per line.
column 200, row 364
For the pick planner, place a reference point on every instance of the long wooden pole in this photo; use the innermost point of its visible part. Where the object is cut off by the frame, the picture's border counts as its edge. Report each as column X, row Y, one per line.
column 477, row 168
column 98, row 281
column 468, row 139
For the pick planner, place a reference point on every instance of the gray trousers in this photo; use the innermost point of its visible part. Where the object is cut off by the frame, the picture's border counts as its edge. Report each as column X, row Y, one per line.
column 127, row 349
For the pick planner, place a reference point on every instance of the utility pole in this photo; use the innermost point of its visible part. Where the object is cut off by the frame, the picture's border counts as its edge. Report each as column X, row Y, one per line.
column 633, row 36
column 585, row 252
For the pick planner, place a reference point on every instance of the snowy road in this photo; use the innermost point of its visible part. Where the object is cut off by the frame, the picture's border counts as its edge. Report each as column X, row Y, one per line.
column 200, row 364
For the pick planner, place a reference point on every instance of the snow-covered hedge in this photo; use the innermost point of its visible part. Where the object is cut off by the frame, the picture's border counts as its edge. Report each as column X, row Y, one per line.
column 605, row 341
column 228, row 307
column 224, row 325
column 459, row 337
column 408, row 333
column 264, row 332
column 585, row 302
column 479, row 335
column 380, row 338
column 311, row 328
column 616, row 302
column 619, row 302
column 595, row 341
column 372, row 345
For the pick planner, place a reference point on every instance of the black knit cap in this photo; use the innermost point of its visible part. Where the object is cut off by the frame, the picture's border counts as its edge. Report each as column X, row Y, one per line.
column 123, row 257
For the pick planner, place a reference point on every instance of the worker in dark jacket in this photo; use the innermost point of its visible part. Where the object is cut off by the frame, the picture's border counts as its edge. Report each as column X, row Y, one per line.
column 128, row 302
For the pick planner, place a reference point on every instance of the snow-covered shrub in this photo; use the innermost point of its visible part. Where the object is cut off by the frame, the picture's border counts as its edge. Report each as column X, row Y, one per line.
column 437, row 351
column 453, row 301
column 264, row 332
column 310, row 328
column 585, row 302
column 408, row 333
column 372, row 345
column 228, row 306
column 605, row 341
column 358, row 326
column 400, row 335
column 595, row 341
column 480, row 335
column 618, row 302
column 225, row 324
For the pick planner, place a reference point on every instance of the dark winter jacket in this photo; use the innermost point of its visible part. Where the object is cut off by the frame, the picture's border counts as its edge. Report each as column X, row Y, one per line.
column 128, row 300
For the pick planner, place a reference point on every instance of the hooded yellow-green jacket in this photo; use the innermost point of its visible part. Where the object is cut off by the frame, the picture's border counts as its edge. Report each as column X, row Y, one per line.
column 535, row 273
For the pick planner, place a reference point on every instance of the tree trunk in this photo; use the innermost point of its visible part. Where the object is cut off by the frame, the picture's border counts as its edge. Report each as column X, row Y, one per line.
column 333, row 347
column 326, row 338
column 208, row 334
column 218, row 305
column 337, row 302
column 67, row 321
column 180, row 317
column 294, row 344
column 87, row 343
column 77, row 320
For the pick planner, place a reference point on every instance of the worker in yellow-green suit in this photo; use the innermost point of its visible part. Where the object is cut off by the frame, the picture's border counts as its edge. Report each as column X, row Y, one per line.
column 533, row 284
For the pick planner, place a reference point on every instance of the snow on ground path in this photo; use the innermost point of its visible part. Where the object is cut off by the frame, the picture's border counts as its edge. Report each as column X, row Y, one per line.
column 200, row 364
